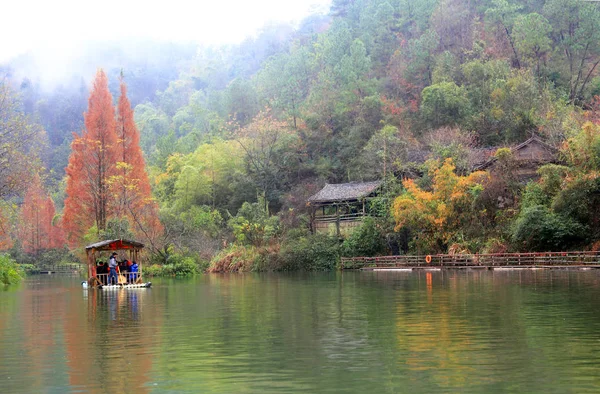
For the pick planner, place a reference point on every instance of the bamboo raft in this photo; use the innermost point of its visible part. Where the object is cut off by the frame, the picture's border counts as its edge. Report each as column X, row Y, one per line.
column 125, row 280
column 144, row 285
column 546, row 260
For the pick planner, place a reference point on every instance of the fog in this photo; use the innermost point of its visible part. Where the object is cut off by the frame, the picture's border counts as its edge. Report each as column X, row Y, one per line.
column 61, row 42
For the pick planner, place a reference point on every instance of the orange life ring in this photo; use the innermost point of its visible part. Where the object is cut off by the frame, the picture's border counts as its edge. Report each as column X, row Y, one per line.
column 428, row 258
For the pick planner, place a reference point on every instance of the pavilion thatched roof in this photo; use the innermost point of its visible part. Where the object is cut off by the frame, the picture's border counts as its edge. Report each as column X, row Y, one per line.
column 344, row 192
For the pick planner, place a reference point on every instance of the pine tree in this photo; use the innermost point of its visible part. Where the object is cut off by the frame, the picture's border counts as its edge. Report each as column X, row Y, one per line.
column 130, row 185
column 91, row 165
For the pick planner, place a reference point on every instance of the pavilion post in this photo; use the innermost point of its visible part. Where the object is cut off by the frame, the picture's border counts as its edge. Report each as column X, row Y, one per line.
column 337, row 219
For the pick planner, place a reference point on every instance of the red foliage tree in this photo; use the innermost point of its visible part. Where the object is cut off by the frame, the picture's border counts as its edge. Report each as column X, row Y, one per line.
column 6, row 241
column 106, row 176
column 76, row 218
column 130, row 184
column 36, row 229
column 91, row 164
column 57, row 238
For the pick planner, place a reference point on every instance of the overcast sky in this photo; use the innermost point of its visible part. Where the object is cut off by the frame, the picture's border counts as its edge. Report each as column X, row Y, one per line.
column 59, row 25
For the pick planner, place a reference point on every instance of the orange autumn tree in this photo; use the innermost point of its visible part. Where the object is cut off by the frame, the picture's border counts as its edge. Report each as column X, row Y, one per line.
column 437, row 217
column 106, row 175
column 37, row 230
column 130, row 186
column 91, row 164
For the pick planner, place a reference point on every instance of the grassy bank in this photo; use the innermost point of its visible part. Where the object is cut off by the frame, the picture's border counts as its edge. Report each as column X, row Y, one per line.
column 306, row 252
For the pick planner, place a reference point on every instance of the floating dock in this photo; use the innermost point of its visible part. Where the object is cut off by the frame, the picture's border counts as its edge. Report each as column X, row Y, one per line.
column 499, row 261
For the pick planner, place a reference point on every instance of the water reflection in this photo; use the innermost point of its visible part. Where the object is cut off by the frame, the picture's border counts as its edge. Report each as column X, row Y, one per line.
column 60, row 336
column 124, row 333
column 432, row 331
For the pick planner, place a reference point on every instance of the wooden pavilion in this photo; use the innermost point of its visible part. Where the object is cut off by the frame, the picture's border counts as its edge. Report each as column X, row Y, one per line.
column 131, row 247
column 338, row 208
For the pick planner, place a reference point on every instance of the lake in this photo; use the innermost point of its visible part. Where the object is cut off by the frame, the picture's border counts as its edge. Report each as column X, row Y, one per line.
column 378, row 332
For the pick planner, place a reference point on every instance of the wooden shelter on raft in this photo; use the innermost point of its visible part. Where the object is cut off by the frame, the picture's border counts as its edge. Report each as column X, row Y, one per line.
column 131, row 248
column 339, row 208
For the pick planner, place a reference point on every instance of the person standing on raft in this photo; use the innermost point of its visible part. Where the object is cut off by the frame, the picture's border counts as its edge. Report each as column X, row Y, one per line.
column 112, row 265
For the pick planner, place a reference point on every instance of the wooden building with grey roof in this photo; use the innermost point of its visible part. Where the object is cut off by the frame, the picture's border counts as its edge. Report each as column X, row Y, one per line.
column 529, row 156
column 338, row 208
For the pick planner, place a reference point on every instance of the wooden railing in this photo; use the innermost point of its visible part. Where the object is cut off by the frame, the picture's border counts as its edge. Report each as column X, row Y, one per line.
column 130, row 277
column 69, row 268
column 334, row 218
column 490, row 260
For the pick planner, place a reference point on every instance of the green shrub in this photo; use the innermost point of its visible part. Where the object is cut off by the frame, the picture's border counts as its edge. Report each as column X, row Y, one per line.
column 534, row 195
column 580, row 200
column 366, row 240
column 315, row 252
column 176, row 265
column 181, row 266
column 30, row 269
column 153, row 270
column 253, row 226
column 539, row 229
column 10, row 272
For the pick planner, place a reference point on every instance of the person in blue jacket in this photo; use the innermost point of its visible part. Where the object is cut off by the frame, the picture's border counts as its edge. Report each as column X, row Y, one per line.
column 133, row 272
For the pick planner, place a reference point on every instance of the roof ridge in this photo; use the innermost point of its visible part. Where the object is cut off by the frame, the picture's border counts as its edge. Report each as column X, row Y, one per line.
column 345, row 191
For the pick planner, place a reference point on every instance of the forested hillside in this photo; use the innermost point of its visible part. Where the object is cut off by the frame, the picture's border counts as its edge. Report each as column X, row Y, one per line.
column 414, row 92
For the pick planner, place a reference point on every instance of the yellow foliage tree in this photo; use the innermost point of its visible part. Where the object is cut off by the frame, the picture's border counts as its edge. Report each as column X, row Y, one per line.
column 438, row 217
column 582, row 150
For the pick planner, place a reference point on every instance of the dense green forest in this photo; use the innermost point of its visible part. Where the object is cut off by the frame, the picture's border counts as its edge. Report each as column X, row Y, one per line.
column 413, row 92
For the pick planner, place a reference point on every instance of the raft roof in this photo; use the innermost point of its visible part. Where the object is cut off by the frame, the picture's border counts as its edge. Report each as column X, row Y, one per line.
column 115, row 244
column 344, row 191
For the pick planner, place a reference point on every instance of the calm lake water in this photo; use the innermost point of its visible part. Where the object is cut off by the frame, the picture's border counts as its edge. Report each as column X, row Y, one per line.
column 397, row 332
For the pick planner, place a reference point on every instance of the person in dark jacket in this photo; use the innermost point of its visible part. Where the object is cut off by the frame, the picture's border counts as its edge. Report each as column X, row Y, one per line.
column 112, row 266
column 101, row 270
